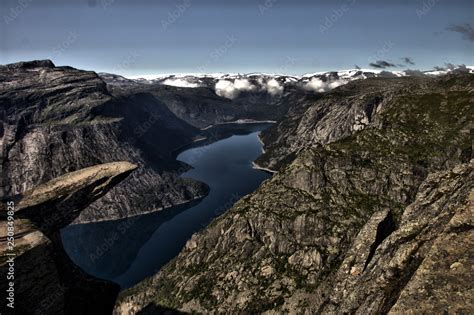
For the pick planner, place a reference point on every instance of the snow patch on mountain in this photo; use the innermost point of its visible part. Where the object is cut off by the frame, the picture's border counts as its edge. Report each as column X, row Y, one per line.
column 231, row 85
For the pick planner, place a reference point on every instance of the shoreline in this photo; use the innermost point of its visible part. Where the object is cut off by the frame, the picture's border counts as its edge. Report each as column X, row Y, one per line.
column 257, row 167
column 240, row 122
column 261, row 142
column 143, row 213
column 178, row 150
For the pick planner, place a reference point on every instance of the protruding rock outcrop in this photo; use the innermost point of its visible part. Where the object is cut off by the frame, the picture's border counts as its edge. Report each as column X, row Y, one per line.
column 46, row 280
column 57, row 203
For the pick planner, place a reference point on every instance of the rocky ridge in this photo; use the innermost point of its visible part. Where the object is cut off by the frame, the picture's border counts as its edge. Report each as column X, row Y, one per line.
column 352, row 108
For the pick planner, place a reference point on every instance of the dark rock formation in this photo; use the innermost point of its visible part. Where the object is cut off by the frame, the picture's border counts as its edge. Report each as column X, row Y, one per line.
column 46, row 280
column 59, row 119
column 373, row 183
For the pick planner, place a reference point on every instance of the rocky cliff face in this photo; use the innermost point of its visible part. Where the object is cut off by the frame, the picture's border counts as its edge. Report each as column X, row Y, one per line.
column 420, row 267
column 46, row 280
column 60, row 119
column 374, row 185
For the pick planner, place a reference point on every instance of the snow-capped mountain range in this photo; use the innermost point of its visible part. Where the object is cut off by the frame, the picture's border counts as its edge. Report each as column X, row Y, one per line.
column 231, row 85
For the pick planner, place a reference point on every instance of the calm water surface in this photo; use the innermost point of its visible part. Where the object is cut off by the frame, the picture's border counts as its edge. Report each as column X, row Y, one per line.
column 127, row 251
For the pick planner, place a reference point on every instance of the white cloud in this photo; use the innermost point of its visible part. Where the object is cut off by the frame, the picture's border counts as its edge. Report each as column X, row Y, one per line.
column 243, row 85
column 180, row 83
column 274, row 88
column 231, row 89
column 318, row 85
column 226, row 89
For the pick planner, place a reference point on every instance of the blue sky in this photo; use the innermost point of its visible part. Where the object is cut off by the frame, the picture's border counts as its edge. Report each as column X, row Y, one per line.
column 146, row 37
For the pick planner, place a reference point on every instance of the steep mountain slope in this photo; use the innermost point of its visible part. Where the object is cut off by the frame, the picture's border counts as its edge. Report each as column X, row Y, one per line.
column 352, row 108
column 60, row 119
column 373, row 181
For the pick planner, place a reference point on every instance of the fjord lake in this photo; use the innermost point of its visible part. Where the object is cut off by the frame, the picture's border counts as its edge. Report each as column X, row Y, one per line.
column 129, row 250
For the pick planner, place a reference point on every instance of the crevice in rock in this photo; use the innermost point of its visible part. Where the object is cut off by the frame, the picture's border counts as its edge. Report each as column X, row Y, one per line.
column 466, row 154
column 371, row 105
column 465, row 227
column 153, row 308
column 384, row 229
column 404, row 276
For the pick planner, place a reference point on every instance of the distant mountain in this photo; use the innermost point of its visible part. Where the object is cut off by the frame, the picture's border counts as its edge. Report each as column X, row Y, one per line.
column 204, row 100
column 272, row 83
column 202, row 105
